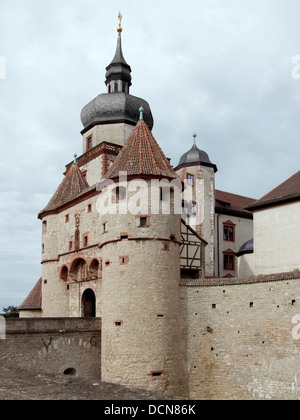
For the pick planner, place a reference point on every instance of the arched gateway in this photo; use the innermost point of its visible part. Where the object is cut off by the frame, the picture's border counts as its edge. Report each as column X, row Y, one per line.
column 88, row 304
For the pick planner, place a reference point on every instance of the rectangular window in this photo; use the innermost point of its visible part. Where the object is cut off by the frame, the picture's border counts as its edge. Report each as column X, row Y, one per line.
column 85, row 240
column 229, row 262
column 143, row 221
column 229, row 232
column 193, row 208
column 104, row 227
column 70, row 245
column 121, row 194
column 190, row 179
column 44, row 227
column 89, row 143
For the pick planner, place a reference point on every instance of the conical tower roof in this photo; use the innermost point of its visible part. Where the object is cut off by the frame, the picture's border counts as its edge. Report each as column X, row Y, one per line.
column 72, row 185
column 34, row 299
column 141, row 157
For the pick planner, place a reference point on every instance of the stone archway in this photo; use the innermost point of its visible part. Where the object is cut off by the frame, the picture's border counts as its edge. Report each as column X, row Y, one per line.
column 88, row 304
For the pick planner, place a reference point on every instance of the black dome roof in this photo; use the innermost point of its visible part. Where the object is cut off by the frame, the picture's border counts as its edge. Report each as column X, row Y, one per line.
column 194, row 157
column 115, row 107
column 246, row 248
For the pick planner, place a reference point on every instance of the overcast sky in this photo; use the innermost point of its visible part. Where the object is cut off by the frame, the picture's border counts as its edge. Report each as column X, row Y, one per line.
column 222, row 68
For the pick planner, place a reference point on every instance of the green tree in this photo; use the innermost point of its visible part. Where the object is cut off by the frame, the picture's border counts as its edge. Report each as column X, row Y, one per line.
column 11, row 312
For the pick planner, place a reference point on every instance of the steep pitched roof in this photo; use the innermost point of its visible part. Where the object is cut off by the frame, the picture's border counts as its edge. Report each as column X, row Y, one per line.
column 34, row 299
column 288, row 191
column 141, row 156
column 72, row 185
column 228, row 202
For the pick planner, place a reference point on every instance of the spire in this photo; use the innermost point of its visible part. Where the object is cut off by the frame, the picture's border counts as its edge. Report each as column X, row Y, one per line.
column 118, row 73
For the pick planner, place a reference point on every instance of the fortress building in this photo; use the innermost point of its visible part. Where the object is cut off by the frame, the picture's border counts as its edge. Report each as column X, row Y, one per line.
column 151, row 249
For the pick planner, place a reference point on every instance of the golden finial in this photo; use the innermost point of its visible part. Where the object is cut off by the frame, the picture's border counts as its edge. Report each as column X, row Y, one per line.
column 120, row 29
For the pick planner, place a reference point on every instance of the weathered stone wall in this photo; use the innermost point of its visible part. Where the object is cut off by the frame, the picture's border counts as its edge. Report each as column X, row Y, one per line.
column 239, row 342
column 53, row 345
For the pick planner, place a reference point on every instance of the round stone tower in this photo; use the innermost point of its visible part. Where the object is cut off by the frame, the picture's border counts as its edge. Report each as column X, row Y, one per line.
column 141, row 325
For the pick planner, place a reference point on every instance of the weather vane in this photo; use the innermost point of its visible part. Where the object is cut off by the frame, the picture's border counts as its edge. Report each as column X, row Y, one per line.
column 120, row 23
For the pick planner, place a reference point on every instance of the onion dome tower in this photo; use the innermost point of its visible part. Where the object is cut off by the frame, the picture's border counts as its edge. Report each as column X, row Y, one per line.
column 111, row 116
column 141, row 320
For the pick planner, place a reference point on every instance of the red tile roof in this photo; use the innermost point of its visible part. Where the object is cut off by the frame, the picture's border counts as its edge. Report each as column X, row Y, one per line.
column 288, row 191
column 141, row 156
column 72, row 185
column 34, row 299
column 232, row 202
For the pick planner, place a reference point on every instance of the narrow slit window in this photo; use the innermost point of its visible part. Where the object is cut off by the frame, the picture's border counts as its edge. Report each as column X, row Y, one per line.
column 85, row 241
column 156, row 374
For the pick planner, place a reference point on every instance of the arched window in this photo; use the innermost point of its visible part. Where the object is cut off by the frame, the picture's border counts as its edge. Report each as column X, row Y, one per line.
column 116, row 87
column 79, row 270
column 94, row 268
column 64, row 272
column 88, row 304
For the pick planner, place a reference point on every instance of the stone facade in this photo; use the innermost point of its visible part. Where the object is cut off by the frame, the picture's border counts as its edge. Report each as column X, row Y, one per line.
column 239, row 340
column 65, row 346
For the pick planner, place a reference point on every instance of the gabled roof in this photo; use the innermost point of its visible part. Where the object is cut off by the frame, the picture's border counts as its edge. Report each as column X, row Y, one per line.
column 72, row 185
column 33, row 302
column 288, row 191
column 141, row 156
column 227, row 203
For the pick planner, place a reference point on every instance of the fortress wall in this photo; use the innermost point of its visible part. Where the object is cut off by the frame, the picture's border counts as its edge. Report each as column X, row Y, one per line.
column 53, row 345
column 239, row 340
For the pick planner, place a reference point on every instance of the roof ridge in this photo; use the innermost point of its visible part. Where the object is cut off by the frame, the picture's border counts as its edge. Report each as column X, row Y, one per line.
column 278, row 186
column 238, row 195
column 279, row 193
